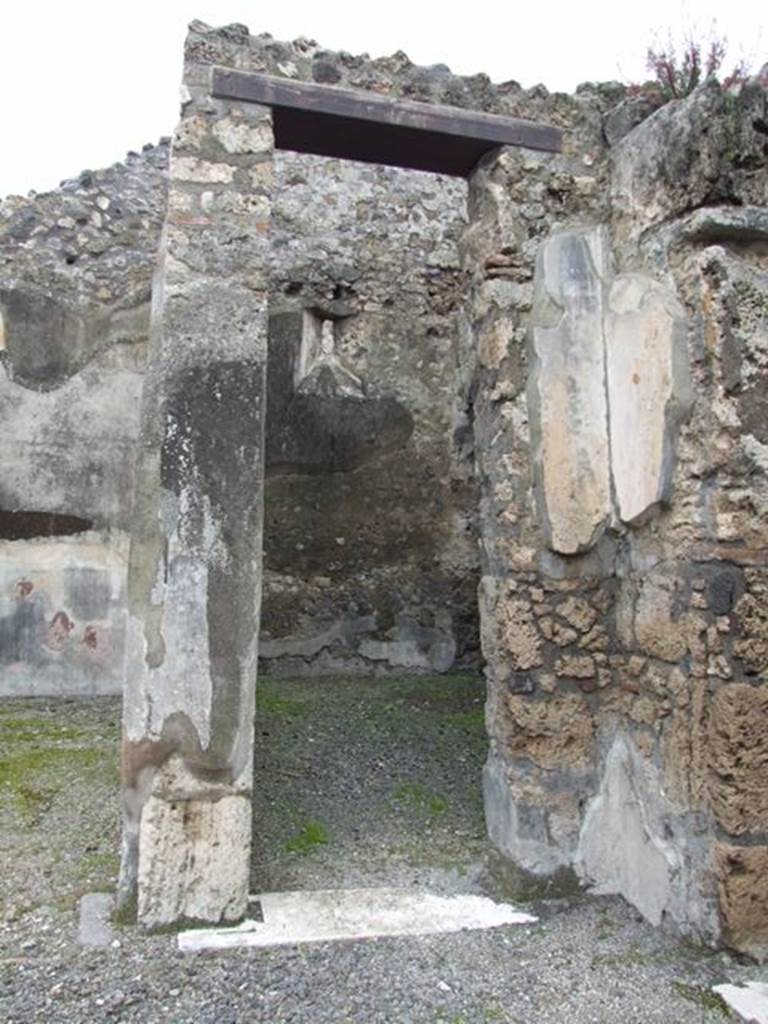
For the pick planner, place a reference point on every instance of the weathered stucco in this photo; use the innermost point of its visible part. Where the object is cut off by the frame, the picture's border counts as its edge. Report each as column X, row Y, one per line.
column 195, row 569
column 62, row 615
column 567, row 395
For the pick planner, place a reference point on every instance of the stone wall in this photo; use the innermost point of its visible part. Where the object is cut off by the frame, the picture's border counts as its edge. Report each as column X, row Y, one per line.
column 371, row 557
column 595, row 417
column 620, row 432
column 75, row 288
column 370, row 543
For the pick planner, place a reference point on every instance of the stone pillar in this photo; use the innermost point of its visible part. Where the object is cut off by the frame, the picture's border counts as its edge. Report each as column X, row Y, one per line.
column 542, row 469
column 581, row 386
column 195, row 565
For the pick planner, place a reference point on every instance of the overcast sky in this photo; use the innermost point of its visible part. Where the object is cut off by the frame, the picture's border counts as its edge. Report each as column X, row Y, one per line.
column 82, row 82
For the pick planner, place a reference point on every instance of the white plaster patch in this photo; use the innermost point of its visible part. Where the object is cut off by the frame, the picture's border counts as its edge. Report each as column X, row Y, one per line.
column 609, row 385
column 187, row 684
column 333, row 914
column 620, row 848
column 750, row 1002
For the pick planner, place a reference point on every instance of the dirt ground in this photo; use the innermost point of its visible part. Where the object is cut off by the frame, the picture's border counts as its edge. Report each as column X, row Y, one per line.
column 357, row 783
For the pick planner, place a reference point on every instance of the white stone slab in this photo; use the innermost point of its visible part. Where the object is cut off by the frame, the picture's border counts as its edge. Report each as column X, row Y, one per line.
column 648, row 389
column 94, row 928
column 750, row 1002
column 566, row 390
column 333, row 914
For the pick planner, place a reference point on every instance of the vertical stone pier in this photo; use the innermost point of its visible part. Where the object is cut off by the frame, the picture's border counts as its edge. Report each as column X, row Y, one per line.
column 195, row 565
column 620, row 339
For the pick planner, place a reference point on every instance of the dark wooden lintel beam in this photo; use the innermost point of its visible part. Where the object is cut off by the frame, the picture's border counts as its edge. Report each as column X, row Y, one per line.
column 455, row 137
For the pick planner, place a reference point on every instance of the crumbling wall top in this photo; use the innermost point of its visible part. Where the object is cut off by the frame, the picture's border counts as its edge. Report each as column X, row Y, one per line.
column 394, row 76
column 95, row 237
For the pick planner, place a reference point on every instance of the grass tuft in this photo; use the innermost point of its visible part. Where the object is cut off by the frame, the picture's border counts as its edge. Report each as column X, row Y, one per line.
column 420, row 799
column 702, row 997
column 309, row 836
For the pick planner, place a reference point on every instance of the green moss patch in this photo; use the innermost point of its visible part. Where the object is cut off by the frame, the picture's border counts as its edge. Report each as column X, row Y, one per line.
column 703, row 997
column 271, row 704
column 418, row 798
column 37, row 730
column 33, row 776
column 310, row 836
column 59, row 794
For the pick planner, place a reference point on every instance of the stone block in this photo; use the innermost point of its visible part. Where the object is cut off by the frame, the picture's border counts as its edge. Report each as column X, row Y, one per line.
column 194, row 860
column 508, row 630
column 742, row 874
column 94, row 928
column 566, row 391
column 241, row 137
column 202, row 172
column 737, row 751
column 556, row 732
column 751, row 646
column 658, row 631
column 648, row 390
column 668, row 164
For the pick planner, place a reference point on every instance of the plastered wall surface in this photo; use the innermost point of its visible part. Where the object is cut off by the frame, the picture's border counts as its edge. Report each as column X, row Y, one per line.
column 75, row 289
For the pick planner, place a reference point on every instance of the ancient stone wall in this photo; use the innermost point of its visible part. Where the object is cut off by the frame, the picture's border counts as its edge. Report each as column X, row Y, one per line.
column 619, row 426
column 595, row 417
column 75, row 288
column 370, row 543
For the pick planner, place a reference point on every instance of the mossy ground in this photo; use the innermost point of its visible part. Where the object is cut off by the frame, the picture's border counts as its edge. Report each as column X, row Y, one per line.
column 386, row 771
column 58, row 800
column 357, row 782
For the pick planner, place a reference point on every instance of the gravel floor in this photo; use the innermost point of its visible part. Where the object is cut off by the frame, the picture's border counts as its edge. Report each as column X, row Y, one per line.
column 358, row 783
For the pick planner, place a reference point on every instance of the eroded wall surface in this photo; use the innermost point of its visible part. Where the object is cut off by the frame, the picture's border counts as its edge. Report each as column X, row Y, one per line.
column 604, row 392
column 75, row 289
column 370, row 538
column 619, row 304
column 194, row 579
column 370, row 543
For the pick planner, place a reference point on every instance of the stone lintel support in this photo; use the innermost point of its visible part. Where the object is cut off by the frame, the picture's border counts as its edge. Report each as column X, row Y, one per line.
column 195, row 565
